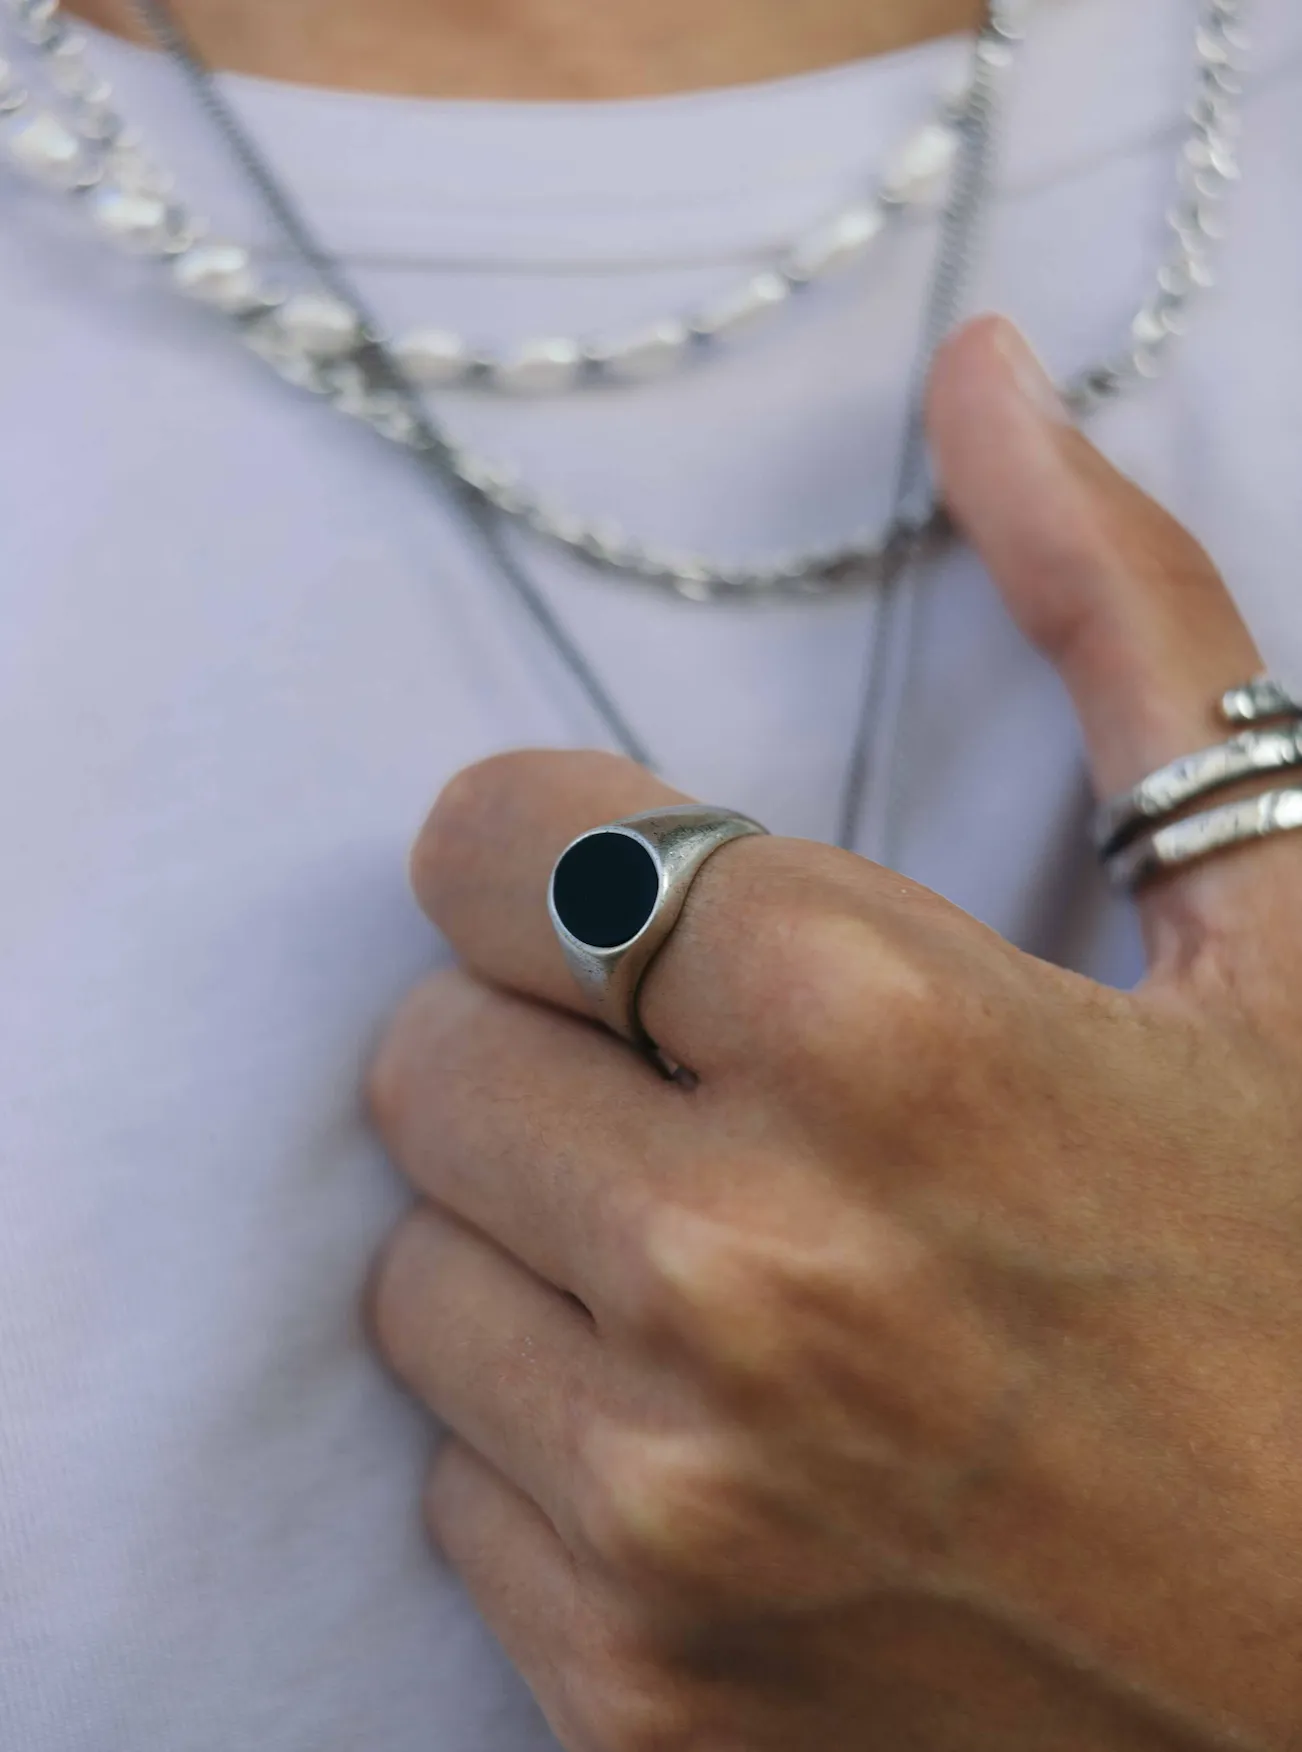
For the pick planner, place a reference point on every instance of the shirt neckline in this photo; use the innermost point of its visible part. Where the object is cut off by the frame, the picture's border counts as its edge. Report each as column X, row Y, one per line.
column 690, row 177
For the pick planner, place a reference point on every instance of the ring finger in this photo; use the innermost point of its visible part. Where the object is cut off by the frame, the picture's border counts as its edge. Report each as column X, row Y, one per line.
column 513, row 1367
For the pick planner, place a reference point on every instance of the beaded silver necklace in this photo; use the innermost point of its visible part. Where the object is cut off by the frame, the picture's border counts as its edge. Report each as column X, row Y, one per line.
column 319, row 342
column 349, row 361
column 133, row 206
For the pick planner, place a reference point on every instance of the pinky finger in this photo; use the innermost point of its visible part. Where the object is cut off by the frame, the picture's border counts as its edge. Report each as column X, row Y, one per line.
column 517, row 1571
column 595, row 1666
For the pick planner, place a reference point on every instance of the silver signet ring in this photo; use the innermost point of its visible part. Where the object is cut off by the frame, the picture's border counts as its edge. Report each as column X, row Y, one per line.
column 616, row 893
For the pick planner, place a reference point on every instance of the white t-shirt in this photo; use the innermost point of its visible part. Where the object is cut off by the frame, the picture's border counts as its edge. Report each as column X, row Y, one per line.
column 242, row 646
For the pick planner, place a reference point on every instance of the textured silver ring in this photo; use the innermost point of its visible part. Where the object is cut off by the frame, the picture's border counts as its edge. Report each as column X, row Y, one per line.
column 1245, row 756
column 1255, row 751
column 1198, row 836
column 616, row 893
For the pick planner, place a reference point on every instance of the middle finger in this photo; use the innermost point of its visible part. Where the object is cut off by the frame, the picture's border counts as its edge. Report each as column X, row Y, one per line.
column 540, row 1130
column 481, row 867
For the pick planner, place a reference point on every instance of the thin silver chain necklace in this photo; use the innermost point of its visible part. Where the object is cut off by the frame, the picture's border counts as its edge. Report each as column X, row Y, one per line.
column 371, row 383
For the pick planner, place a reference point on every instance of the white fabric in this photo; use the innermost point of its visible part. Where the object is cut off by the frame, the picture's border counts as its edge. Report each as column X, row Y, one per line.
column 241, row 648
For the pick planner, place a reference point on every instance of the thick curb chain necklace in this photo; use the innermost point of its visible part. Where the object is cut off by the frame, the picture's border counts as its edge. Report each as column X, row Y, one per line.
column 328, row 346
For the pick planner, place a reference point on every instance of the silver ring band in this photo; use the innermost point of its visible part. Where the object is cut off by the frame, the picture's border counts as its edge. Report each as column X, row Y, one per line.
column 1198, row 836
column 1192, row 776
column 1183, row 781
column 1256, row 700
column 615, row 895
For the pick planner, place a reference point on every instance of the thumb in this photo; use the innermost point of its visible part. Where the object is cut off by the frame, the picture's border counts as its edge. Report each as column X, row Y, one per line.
column 1116, row 594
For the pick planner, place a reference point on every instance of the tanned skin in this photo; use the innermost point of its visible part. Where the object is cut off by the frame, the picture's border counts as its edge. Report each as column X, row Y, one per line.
column 566, row 50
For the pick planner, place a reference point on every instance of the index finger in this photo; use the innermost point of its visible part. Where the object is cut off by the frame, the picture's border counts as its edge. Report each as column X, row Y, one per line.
column 481, row 864
column 484, row 858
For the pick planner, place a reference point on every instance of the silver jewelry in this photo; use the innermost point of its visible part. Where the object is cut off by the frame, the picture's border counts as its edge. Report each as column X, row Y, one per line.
column 372, row 386
column 1170, row 788
column 1135, row 833
column 1263, row 697
column 615, row 895
column 430, row 447
column 1199, row 836
column 322, row 328
column 329, row 348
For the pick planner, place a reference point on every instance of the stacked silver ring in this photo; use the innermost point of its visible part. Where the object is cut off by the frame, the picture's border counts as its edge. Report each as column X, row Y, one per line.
column 1143, row 832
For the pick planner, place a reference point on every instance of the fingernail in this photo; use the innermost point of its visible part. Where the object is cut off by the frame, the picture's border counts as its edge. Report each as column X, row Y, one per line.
column 1032, row 382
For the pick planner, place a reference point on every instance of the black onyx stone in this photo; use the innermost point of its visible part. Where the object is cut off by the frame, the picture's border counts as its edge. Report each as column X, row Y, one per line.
column 605, row 889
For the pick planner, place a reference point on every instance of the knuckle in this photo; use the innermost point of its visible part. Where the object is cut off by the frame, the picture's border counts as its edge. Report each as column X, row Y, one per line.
column 701, row 1284
column 841, row 1316
column 814, row 1004
column 938, row 1037
column 922, row 1019
column 619, row 1512
column 661, row 1511
column 781, row 1317
column 843, row 998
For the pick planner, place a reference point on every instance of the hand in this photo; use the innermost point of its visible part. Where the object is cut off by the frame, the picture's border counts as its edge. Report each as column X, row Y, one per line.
column 931, row 1375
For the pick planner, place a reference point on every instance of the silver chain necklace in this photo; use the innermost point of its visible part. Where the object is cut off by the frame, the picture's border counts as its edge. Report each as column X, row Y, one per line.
column 361, row 384
column 369, row 382
column 914, row 174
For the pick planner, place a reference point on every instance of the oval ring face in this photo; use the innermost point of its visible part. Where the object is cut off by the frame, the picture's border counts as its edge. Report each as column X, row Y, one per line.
column 605, row 889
